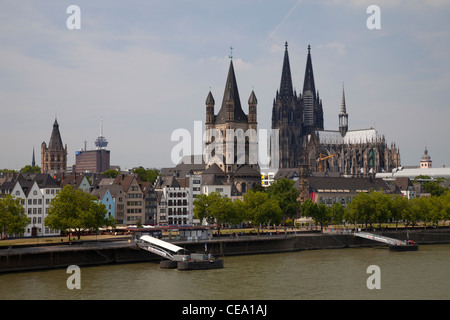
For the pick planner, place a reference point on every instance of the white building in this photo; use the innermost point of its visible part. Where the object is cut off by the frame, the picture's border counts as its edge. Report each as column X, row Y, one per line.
column 36, row 194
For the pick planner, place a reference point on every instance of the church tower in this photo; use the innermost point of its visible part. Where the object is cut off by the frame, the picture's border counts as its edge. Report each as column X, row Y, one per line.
column 54, row 157
column 312, row 105
column 229, row 142
column 287, row 117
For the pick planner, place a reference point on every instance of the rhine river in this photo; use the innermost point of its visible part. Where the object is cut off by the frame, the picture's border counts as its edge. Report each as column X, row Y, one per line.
column 303, row 275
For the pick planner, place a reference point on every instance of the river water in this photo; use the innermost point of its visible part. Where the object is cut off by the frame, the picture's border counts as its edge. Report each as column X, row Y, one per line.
column 302, row 275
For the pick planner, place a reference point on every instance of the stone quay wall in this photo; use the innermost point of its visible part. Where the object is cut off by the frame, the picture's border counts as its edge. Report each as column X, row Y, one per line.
column 99, row 253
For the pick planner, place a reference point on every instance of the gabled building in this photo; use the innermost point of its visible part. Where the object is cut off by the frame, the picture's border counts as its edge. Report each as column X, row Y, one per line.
column 36, row 192
column 104, row 196
column 134, row 205
column 78, row 181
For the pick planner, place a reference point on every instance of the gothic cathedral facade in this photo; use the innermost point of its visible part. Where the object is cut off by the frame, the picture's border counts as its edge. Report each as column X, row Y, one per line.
column 304, row 141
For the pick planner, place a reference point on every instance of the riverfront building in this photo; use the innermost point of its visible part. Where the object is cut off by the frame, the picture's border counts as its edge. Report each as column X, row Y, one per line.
column 36, row 192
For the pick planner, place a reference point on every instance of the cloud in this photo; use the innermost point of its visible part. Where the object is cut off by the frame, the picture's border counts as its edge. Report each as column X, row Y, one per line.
column 286, row 17
column 335, row 46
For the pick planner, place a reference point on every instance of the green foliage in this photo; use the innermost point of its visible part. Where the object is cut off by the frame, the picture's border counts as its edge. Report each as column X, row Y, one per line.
column 147, row 175
column 434, row 188
column 261, row 209
column 13, row 219
column 286, row 194
column 215, row 208
column 7, row 171
column 378, row 207
column 77, row 210
column 30, row 169
column 257, row 208
column 319, row 212
column 111, row 173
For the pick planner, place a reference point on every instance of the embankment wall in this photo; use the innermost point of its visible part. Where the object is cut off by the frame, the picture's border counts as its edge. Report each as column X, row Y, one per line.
column 98, row 253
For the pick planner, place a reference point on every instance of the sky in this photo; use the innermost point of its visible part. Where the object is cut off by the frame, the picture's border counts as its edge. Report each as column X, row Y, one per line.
column 146, row 66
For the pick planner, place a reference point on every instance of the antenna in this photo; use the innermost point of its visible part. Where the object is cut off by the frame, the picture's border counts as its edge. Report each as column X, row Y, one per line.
column 101, row 141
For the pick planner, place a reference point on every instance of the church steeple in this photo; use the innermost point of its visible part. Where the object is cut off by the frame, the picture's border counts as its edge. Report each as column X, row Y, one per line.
column 55, row 143
column 33, row 160
column 343, row 116
column 286, row 88
column 308, row 84
column 231, row 98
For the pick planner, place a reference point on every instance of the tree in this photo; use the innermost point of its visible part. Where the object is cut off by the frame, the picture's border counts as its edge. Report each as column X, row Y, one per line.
column 436, row 212
column 382, row 204
column 216, row 207
column 286, row 194
column 337, row 212
column 319, row 212
column 111, row 173
column 13, row 219
column 399, row 207
column 416, row 210
column 362, row 209
column 201, row 207
column 147, row 175
column 77, row 210
column 261, row 209
column 30, row 169
column 7, row 171
column 434, row 188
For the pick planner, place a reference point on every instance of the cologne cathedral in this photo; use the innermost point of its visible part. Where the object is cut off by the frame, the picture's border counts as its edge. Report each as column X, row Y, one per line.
column 303, row 139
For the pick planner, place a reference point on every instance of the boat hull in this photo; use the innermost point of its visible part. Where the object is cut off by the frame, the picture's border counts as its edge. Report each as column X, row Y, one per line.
column 200, row 264
column 408, row 247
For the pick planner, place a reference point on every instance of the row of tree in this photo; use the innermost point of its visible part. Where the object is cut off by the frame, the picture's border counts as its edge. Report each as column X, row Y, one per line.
column 377, row 208
column 261, row 206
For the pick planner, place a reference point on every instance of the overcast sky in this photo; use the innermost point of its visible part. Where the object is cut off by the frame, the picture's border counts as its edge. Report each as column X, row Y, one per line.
column 146, row 67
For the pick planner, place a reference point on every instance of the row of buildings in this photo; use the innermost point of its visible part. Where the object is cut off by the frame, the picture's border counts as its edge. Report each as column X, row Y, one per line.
column 328, row 166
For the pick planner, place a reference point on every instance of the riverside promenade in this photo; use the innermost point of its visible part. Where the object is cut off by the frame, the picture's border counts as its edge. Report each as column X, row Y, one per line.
column 89, row 253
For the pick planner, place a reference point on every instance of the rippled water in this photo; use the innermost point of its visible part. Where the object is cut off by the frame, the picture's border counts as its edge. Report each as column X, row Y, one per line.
column 316, row 274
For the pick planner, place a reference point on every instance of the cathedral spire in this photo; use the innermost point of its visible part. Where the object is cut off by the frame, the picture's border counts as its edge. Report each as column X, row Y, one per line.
column 308, row 84
column 343, row 107
column 286, row 88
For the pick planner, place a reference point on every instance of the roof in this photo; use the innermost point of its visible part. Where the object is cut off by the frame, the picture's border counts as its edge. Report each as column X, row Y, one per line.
column 340, row 184
column 246, row 170
column 231, row 93
column 55, row 143
column 412, row 173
